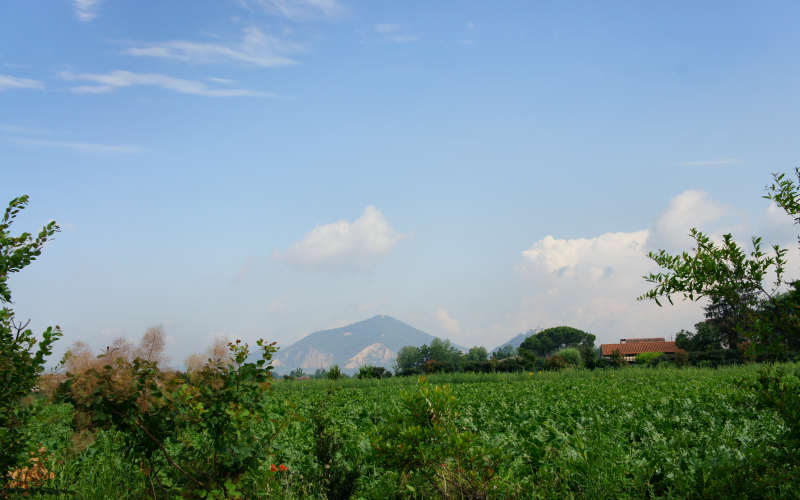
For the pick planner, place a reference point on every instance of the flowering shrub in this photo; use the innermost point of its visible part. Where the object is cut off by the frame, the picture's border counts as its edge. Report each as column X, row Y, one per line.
column 32, row 476
column 208, row 428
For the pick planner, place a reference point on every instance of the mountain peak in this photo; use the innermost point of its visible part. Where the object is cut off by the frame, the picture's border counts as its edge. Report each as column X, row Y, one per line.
column 373, row 341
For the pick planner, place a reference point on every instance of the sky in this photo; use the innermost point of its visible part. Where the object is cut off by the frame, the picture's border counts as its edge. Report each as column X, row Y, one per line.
column 269, row 168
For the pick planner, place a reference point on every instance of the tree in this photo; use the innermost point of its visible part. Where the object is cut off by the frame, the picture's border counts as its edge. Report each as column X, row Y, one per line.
column 477, row 354
column 441, row 355
column 504, row 352
column 550, row 340
column 22, row 356
column 741, row 302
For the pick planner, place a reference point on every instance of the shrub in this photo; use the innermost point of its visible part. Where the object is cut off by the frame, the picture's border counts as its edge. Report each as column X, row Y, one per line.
column 571, row 355
column 373, row 372
column 555, row 362
column 649, row 358
column 334, row 373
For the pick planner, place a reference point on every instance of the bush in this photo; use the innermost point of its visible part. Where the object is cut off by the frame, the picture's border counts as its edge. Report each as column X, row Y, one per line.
column 649, row 358
column 555, row 362
column 571, row 355
column 373, row 372
column 334, row 373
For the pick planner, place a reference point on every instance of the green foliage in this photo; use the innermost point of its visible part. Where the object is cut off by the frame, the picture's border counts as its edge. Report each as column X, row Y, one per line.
column 666, row 433
column 208, row 430
column 22, row 356
column 504, row 352
column 433, row 454
column 334, row 373
column 741, row 304
column 551, row 340
column 373, row 372
column 440, row 356
column 572, row 356
column 476, row 354
column 555, row 362
column 649, row 358
column 336, row 476
column 778, row 387
column 617, row 359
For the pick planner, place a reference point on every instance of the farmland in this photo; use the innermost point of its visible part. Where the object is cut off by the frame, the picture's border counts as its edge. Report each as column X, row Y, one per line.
column 631, row 432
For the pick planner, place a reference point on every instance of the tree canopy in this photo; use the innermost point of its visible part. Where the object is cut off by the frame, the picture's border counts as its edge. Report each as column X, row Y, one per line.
column 551, row 340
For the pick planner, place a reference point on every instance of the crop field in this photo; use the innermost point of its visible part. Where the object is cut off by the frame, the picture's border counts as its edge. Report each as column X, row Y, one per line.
column 635, row 433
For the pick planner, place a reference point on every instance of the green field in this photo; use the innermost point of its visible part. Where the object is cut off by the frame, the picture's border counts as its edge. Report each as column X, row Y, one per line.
column 633, row 432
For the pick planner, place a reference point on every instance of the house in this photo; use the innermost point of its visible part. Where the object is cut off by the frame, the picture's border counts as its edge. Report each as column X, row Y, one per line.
column 629, row 348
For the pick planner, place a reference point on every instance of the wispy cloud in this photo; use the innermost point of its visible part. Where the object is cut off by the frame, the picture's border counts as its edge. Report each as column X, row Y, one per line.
column 86, row 10
column 255, row 48
column 709, row 163
column 223, row 81
column 108, row 82
column 297, row 10
column 22, row 130
column 13, row 82
column 394, row 33
column 85, row 147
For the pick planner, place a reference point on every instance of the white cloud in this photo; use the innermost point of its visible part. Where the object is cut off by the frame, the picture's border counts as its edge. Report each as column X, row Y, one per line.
column 689, row 209
column 13, row 82
column 85, row 147
column 18, row 129
column 297, row 10
column 563, row 257
column 709, row 163
column 255, row 48
column 345, row 245
column 394, row 33
column 447, row 322
column 109, row 82
column 223, row 81
column 592, row 283
column 86, row 10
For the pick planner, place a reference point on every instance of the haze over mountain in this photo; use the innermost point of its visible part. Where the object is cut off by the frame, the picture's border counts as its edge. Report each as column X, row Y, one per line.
column 374, row 341
column 516, row 341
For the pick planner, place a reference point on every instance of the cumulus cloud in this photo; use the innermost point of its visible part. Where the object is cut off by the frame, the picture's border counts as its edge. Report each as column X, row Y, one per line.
column 394, row 33
column 691, row 208
column 86, row 10
column 344, row 245
column 447, row 322
column 592, row 283
column 255, row 48
column 108, row 82
column 13, row 82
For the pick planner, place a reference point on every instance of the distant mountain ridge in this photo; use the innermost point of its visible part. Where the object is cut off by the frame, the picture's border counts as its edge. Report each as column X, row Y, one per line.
column 374, row 341
column 518, row 340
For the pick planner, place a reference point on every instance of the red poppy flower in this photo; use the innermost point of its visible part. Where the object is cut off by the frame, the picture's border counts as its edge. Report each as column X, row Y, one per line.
column 283, row 467
column 273, row 468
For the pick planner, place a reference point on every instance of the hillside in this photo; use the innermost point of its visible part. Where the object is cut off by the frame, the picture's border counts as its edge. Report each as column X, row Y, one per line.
column 517, row 340
column 374, row 341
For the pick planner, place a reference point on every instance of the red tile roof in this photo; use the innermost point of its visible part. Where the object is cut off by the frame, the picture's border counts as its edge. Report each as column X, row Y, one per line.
column 640, row 347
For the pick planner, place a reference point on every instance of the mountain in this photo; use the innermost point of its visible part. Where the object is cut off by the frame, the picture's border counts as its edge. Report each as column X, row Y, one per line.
column 518, row 340
column 374, row 341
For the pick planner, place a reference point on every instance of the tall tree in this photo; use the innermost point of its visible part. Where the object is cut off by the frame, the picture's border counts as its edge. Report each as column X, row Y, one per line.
column 551, row 340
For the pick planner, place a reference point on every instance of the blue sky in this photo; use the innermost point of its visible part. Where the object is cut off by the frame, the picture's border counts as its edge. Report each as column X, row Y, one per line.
column 269, row 168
